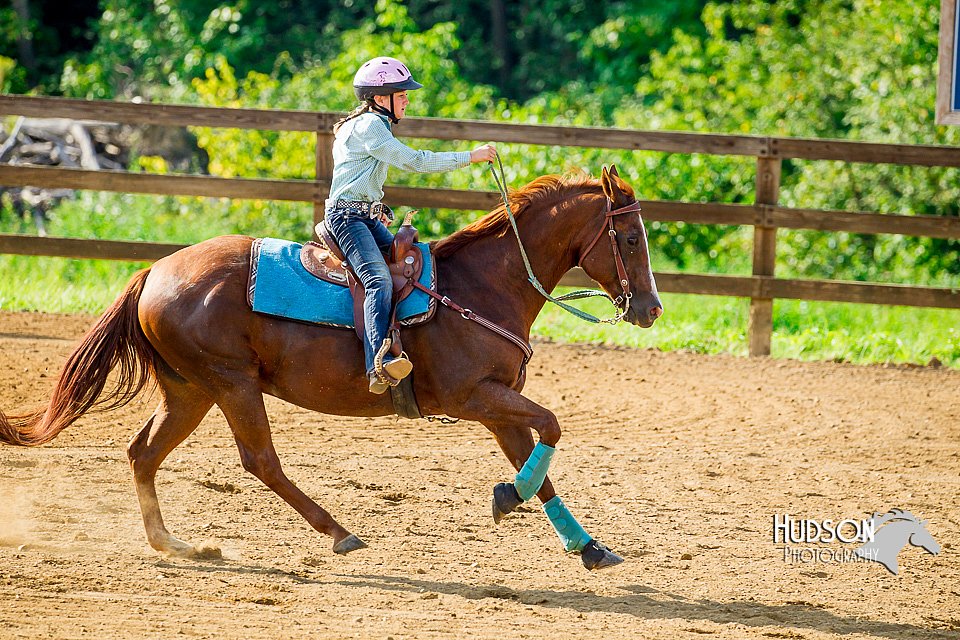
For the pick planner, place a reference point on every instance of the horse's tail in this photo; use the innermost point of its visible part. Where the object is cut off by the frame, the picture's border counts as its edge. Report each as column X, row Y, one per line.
column 116, row 339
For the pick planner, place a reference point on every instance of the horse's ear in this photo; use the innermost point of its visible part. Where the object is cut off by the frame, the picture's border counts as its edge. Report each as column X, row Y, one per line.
column 610, row 181
column 606, row 182
column 613, row 171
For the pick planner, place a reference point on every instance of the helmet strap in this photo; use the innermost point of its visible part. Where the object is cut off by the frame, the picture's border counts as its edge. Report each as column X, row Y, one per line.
column 387, row 112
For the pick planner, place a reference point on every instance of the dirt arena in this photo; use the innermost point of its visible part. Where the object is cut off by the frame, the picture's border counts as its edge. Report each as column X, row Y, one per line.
column 679, row 462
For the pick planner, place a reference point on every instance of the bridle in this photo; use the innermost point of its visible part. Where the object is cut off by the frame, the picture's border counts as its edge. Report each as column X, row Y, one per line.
column 615, row 247
column 622, row 303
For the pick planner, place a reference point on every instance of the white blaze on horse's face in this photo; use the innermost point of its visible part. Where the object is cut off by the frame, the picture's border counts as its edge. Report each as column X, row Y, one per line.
column 626, row 261
column 645, row 305
column 631, row 243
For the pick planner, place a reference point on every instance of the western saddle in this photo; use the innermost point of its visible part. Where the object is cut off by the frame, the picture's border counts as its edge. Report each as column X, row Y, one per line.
column 326, row 261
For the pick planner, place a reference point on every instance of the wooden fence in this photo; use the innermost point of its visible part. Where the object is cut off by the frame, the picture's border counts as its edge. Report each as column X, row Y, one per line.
column 765, row 215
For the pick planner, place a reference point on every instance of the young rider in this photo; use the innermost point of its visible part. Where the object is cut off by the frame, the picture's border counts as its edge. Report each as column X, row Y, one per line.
column 363, row 148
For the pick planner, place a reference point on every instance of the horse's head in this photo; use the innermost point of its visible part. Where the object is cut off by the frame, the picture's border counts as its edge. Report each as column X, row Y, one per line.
column 621, row 263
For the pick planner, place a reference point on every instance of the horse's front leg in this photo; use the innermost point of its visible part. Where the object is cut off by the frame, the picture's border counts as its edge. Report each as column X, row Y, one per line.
column 511, row 417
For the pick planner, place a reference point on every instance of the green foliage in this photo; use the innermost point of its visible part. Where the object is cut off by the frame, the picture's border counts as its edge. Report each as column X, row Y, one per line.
column 146, row 47
column 11, row 76
column 618, row 50
column 328, row 85
column 792, row 69
column 150, row 47
column 851, row 69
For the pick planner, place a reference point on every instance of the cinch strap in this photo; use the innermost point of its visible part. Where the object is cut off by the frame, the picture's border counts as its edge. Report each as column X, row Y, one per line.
column 530, row 477
column 571, row 534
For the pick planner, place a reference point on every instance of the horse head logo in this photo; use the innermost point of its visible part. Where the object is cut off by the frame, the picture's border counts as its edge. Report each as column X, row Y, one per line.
column 887, row 542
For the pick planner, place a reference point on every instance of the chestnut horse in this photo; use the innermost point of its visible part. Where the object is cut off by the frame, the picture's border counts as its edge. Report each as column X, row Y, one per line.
column 185, row 323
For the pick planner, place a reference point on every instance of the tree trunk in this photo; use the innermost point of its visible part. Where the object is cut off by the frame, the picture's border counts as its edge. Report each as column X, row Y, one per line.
column 24, row 36
column 501, row 44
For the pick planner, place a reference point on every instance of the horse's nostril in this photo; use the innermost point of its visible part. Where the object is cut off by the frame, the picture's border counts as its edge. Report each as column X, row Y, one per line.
column 656, row 312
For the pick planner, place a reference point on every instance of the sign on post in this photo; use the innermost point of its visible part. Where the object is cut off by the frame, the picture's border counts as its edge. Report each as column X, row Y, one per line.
column 948, row 86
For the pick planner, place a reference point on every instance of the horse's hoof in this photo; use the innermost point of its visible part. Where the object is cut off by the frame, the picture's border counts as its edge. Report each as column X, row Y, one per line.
column 596, row 556
column 348, row 544
column 505, row 500
column 207, row 551
column 173, row 547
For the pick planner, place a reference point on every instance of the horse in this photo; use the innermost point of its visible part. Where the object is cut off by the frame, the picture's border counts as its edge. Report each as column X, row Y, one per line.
column 886, row 543
column 184, row 325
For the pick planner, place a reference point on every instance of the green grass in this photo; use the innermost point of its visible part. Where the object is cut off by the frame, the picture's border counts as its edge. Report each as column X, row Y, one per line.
column 803, row 330
column 702, row 324
column 693, row 323
column 61, row 285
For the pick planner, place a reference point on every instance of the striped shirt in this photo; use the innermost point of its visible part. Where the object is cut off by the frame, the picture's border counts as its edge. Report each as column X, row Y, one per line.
column 363, row 149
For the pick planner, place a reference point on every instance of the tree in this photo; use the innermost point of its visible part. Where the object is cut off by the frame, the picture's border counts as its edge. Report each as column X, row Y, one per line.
column 861, row 70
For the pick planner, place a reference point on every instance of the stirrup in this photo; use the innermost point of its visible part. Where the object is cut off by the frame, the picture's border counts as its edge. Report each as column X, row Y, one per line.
column 398, row 368
column 395, row 370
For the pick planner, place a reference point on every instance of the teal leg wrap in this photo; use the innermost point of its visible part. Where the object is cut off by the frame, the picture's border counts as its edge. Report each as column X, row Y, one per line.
column 530, row 477
column 572, row 535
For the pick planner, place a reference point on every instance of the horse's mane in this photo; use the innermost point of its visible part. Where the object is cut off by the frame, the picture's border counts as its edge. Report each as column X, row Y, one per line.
column 496, row 223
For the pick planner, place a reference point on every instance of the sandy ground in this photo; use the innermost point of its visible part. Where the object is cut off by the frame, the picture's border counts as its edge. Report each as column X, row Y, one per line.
column 677, row 461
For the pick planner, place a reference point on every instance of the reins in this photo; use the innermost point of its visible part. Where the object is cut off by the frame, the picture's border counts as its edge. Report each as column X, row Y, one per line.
column 467, row 314
column 624, row 299
column 522, row 344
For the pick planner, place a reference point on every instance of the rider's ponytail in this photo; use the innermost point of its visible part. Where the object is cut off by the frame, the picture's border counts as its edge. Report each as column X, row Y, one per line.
column 366, row 107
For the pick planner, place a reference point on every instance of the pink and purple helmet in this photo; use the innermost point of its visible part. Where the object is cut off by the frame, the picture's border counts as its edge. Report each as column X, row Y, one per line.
column 381, row 77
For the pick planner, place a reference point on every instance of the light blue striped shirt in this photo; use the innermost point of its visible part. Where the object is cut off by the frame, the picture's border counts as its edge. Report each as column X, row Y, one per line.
column 363, row 149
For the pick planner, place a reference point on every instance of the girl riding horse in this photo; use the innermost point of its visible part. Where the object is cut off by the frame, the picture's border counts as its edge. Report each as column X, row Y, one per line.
column 363, row 148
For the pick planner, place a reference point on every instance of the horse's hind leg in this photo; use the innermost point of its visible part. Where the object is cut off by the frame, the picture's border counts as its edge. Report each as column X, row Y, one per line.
column 243, row 407
column 181, row 409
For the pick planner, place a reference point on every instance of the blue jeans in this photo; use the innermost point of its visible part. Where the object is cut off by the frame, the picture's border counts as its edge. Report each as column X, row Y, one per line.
column 365, row 241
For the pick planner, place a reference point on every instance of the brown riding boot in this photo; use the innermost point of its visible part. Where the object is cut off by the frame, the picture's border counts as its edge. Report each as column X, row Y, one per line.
column 398, row 368
column 377, row 385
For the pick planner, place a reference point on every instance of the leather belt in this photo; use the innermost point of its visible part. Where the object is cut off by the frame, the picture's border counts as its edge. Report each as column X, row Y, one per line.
column 360, row 207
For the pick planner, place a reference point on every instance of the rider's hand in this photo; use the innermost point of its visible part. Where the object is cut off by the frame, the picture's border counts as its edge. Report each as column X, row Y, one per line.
column 486, row 153
column 385, row 219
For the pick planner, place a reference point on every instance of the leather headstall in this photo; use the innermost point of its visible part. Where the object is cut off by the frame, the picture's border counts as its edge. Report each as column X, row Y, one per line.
column 612, row 233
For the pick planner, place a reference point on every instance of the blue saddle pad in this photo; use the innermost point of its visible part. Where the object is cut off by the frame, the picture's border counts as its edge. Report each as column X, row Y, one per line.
column 280, row 286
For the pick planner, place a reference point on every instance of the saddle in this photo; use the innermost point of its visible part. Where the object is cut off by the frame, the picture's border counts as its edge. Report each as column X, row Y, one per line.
column 326, row 261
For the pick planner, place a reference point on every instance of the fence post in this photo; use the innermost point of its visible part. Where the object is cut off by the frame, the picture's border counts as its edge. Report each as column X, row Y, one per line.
column 324, row 168
column 764, row 255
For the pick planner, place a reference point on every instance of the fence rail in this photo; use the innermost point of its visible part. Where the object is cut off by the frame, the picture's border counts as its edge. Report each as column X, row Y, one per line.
column 765, row 215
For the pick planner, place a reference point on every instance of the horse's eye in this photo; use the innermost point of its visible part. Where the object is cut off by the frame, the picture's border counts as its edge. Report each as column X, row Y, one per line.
column 633, row 240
